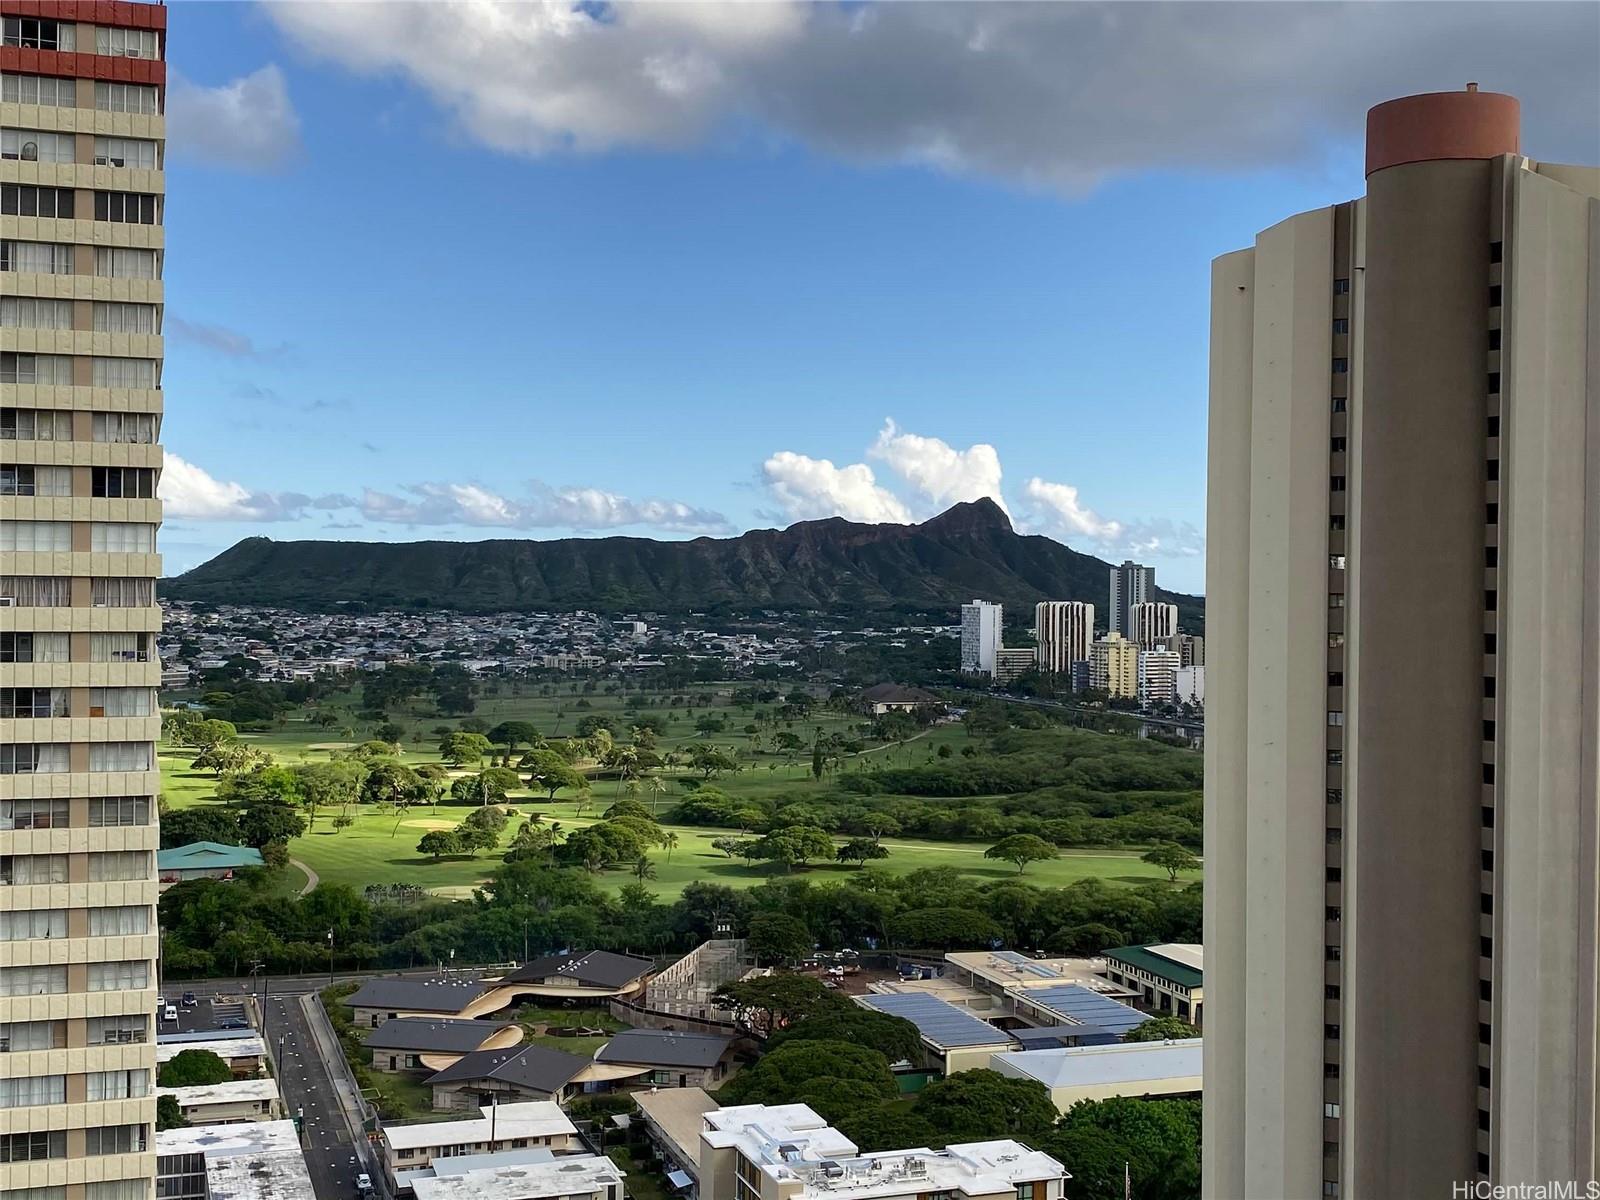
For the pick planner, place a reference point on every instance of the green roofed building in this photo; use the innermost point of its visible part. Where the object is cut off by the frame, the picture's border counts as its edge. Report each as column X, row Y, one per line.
column 203, row 860
column 1169, row 978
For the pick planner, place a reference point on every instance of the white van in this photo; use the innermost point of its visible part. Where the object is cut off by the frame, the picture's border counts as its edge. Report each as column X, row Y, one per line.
column 170, row 1013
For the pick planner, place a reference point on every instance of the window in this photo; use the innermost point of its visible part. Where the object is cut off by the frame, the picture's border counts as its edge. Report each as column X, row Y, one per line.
column 36, row 536
column 128, row 208
column 35, row 481
column 36, row 591
column 39, row 33
column 28, row 924
column 1494, row 469
column 1335, row 758
column 34, row 814
column 1341, row 366
column 1336, row 523
column 30, row 870
column 32, row 981
column 32, row 1090
column 1336, row 718
column 1335, row 678
column 127, row 43
column 118, row 1085
column 122, row 483
column 37, row 145
column 121, row 702
column 139, row 428
column 127, row 98
column 1486, row 863
column 1489, row 601
column 1336, row 600
column 122, row 537
column 1338, row 404
column 1335, row 482
column 1491, row 514
column 1336, row 445
column 19, row 1037
column 125, row 152
column 1488, row 643
column 1330, row 1032
column 37, row 258
column 129, row 976
column 119, row 866
column 1486, row 815
column 120, row 756
column 122, row 593
column 48, row 91
column 36, row 368
column 118, row 1189
column 1494, row 339
column 1331, row 1110
column 119, row 647
column 123, row 262
column 22, row 758
column 117, row 1139
column 112, row 316
column 125, row 372
column 109, row 811
column 1336, row 562
column 26, row 312
column 1341, row 325
column 34, row 647
column 1341, row 287
column 119, row 921
column 118, row 1031
column 31, row 703
column 39, row 1193
column 35, row 425
column 34, row 200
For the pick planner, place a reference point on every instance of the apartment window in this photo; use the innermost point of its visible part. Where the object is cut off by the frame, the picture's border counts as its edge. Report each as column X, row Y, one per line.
column 1336, row 562
column 1486, row 993
column 1336, row 758
column 1335, row 599
column 35, row 591
column 127, row 43
column 112, row 316
column 119, row 1031
column 1341, row 287
column 1488, row 736
column 127, row 208
column 1330, row 1070
column 126, row 428
column 1331, row 1109
column 117, row 1189
column 125, row 262
column 122, row 483
column 122, row 537
column 1341, row 325
column 122, row 593
column 30, row 1091
column 1485, row 1034
column 125, row 152
column 32, row 981
column 1494, row 382
column 125, row 372
column 121, row 702
column 1341, row 366
column 1335, row 796
column 36, row 368
column 35, row 481
column 1336, row 445
column 21, row 758
column 109, row 811
column 30, row 703
column 36, row 536
column 26, row 312
column 1486, row 815
column 1494, row 339
column 34, row 647
column 1489, row 600
column 1338, row 404
column 1330, row 1033
column 39, row 33
column 1335, row 678
column 119, row 647
column 1496, row 251
column 120, row 756
column 35, row 200
column 48, row 91
column 1486, row 860
column 34, row 814
column 127, row 98
column 1330, row 991
column 132, row 976
column 1336, row 483
column 118, row 1085
column 30, row 924
column 1336, row 523
column 20, row 1037
column 37, row 145
column 1491, row 556
column 119, row 866
column 1332, row 875
column 124, row 920
column 117, row 1139
column 36, row 258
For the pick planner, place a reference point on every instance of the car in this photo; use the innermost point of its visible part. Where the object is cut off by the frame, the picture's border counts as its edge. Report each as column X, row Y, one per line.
column 170, row 1013
column 233, row 1023
column 363, row 1185
column 189, row 1000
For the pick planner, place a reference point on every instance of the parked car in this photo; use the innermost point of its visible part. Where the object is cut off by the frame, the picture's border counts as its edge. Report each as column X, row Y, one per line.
column 189, row 1000
column 364, row 1186
column 170, row 1013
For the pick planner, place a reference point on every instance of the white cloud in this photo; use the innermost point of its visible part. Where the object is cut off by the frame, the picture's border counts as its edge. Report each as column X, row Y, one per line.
column 1058, row 95
column 215, row 337
column 941, row 473
column 248, row 123
column 812, row 488
column 583, row 508
column 190, row 491
column 1058, row 510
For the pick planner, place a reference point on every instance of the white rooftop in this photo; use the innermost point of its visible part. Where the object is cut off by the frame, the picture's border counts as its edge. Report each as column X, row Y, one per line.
column 1187, row 953
column 1089, row 1066
column 258, row 1160
column 531, row 1118
column 235, row 1091
column 567, row 1176
column 767, row 1132
column 232, row 1046
column 223, row 1141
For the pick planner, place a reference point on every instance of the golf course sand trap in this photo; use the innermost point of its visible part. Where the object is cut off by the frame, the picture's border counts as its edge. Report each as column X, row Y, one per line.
column 426, row 824
column 458, row 891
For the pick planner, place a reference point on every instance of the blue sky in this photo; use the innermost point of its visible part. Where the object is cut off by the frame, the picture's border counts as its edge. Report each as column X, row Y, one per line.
column 418, row 287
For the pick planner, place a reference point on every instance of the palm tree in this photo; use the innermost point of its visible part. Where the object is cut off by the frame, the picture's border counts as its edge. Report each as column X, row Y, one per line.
column 670, row 841
column 644, row 869
column 656, row 787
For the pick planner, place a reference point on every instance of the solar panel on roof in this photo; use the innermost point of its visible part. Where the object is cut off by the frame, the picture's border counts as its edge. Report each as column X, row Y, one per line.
column 1085, row 1007
column 1027, row 964
column 941, row 1023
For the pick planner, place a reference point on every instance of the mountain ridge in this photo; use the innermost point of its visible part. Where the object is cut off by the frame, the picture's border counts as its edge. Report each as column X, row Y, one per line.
column 968, row 550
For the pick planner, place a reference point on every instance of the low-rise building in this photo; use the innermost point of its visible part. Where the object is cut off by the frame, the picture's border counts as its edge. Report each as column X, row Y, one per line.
column 953, row 1038
column 597, row 975
column 1100, row 1072
column 573, row 1177
column 508, row 1076
column 203, row 860
column 665, row 1058
column 408, row 1146
column 673, row 1119
column 389, row 997
column 227, row 1103
column 1013, row 662
column 894, row 697
column 1169, row 977
column 244, row 1053
column 432, row 1044
column 257, row 1161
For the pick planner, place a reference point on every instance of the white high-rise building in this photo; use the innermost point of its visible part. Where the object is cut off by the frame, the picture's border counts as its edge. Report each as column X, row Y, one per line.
column 1064, row 630
column 1158, row 676
column 1153, row 625
column 980, row 637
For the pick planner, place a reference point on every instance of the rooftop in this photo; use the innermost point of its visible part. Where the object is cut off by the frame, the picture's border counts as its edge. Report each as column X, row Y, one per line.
column 207, row 856
column 224, row 1141
column 680, row 1115
column 597, row 969
column 664, row 1048
column 460, row 1164
column 235, row 1091
column 530, row 1118
column 225, row 1046
column 434, row 1034
column 1079, row 1005
column 1182, row 963
column 565, row 1176
column 939, row 1022
column 534, row 1067
column 1123, row 1062
column 257, row 1160
column 433, row 993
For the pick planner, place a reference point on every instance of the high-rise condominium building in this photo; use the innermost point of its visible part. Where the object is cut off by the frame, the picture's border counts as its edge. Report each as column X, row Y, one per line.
column 81, row 143
column 1114, row 666
column 1063, row 630
column 1403, row 718
column 1153, row 625
column 1130, row 584
column 1158, row 675
column 980, row 637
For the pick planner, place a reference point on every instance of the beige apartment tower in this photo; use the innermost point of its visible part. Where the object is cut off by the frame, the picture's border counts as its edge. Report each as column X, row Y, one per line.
column 1063, row 630
column 1403, row 702
column 1153, row 625
column 81, row 146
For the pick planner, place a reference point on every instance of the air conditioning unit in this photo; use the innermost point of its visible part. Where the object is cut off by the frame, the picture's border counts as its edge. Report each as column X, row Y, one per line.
column 8, row 601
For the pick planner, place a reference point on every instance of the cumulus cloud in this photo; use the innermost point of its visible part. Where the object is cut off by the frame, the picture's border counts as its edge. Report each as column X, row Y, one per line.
column 1059, row 95
column 1058, row 509
column 249, row 123
column 584, row 508
column 190, row 491
column 807, row 489
column 938, row 471
column 219, row 338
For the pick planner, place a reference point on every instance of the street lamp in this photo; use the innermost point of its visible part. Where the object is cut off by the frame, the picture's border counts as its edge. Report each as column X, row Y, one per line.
column 330, row 958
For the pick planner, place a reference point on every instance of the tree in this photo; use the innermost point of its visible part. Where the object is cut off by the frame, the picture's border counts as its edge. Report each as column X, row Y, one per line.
column 169, row 1114
column 709, row 724
column 270, row 821
column 1161, row 1029
column 974, row 1105
column 795, row 845
column 877, row 1127
column 1021, row 849
column 209, row 734
column 462, row 748
column 711, row 761
column 512, row 734
column 439, row 842
column 389, row 782
column 782, row 1074
column 731, row 846
column 770, row 1002
column 776, row 937
column 327, row 785
column 644, row 869
column 1157, row 1140
column 550, row 771
column 390, row 732
column 1171, row 858
column 895, row 1037
column 193, row 1068
column 859, row 850
column 474, row 838
column 202, row 823
column 944, row 928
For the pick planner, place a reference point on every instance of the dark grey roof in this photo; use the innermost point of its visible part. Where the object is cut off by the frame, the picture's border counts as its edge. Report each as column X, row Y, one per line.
column 531, row 1067
column 426, row 1034
column 941, row 1022
column 597, row 968
column 435, row 993
column 660, row 1048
